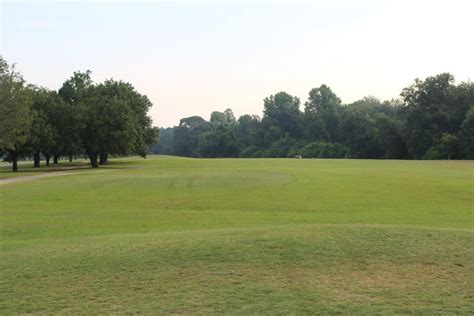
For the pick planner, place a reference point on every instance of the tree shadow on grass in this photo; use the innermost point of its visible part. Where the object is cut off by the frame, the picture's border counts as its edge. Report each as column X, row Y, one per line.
column 26, row 167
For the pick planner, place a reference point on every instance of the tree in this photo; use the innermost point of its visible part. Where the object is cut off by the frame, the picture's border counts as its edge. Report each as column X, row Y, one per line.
column 315, row 128
column 186, row 135
column 109, row 127
column 248, row 131
column 77, row 88
column 448, row 147
column 15, row 112
column 433, row 107
column 359, row 133
column 74, row 91
column 381, row 128
column 67, row 120
column 322, row 113
column 325, row 150
column 225, row 118
column 112, row 117
column 281, row 115
column 388, row 134
column 141, row 134
column 165, row 142
column 466, row 136
column 282, row 147
column 220, row 140
column 43, row 135
column 218, row 143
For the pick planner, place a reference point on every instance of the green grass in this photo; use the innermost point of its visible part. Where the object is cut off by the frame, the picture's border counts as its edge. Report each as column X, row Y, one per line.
column 241, row 236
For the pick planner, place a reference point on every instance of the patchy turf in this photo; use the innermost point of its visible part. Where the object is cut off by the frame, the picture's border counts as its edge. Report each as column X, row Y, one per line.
column 246, row 236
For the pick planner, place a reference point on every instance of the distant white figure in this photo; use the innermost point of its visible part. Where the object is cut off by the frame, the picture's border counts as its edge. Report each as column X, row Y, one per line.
column 298, row 157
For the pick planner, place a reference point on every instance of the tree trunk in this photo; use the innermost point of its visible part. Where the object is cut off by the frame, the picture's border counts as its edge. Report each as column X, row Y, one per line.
column 103, row 158
column 93, row 159
column 36, row 159
column 55, row 159
column 70, row 158
column 14, row 158
column 47, row 157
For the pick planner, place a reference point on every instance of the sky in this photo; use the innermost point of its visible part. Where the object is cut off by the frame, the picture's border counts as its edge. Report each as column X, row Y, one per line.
column 192, row 58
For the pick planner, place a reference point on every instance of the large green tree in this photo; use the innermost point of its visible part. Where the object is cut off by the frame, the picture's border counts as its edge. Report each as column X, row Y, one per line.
column 186, row 135
column 322, row 111
column 15, row 112
column 44, row 136
column 77, row 93
column 112, row 117
column 281, row 116
column 433, row 107
column 67, row 120
column 248, row 130
column 139, row 135
column 220, row 140
column 467, row 134
column 359, row 134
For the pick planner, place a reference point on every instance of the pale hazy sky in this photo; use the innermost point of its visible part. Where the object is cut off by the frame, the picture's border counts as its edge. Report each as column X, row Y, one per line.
column 191, row 58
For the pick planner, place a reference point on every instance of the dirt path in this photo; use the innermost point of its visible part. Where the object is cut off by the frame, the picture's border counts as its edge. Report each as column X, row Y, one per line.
column 40, row 176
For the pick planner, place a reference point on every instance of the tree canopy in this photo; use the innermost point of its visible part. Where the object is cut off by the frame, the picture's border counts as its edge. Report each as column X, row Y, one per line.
column 432, row 119
column 82, row 117
column 15, row 112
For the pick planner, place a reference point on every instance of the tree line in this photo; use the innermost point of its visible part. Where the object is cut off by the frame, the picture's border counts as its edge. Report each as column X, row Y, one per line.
column 432, row 119
column 81, row 118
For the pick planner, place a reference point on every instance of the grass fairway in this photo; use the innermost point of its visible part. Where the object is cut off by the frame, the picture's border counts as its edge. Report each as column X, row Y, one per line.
column 241, row 236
